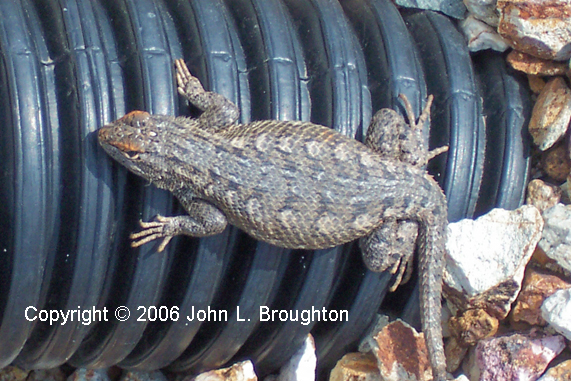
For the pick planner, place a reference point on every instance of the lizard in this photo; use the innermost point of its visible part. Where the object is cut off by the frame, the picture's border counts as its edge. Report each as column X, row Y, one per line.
column 296, row 185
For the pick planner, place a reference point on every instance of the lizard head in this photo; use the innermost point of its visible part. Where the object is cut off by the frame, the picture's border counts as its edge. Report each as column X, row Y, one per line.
column 129, row 139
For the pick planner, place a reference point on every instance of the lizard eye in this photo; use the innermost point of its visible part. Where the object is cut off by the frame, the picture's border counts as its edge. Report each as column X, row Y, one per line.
column 131, row 155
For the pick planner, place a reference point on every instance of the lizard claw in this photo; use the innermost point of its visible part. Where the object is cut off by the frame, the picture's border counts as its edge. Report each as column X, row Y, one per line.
column 188, row 85
column 160, row 228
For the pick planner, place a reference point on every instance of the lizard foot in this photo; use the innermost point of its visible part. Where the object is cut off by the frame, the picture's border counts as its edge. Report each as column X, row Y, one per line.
column 162, row 227
column 188, row 85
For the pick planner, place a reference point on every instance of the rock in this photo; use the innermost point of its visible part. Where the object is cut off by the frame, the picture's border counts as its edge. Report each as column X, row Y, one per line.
column 455, row 354
column 542, row 195
column 566, row 191
column 536, row 84
column 551, row 114
column 241, row 371
column 560, row 372
column 452, row 8
column 484, row 10
column 137, row 375
column 556, row 236
column 515, row 356
column 13, row 373
column 556, row 310
column 82, row 374
column 541, row 28
column 536, row 288
column 401, row 353
column 481, row 36
column 356, row 367
column 472, row 326
column 555, row 162
column 55, row 374
column 535, row 66
column 301, row 366
column 487, row 258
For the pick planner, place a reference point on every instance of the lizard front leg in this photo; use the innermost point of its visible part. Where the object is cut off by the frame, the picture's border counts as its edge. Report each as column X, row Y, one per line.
column 203, row 219
column 218, row 111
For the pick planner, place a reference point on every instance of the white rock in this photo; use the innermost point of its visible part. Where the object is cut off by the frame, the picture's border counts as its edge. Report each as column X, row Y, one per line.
column 484, row 10
column 556, row 236
column 453, row 8
column 486, row 254
column 556, row 310
column 481, row 36
column 301, row 367
column 242, row 371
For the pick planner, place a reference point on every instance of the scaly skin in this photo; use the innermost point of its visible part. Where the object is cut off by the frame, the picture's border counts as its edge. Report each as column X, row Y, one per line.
column 293, row 184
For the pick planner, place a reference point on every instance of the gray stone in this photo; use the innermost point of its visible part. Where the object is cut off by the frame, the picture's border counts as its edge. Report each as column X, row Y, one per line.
column 452, row 8
column 481, row 36
column 556, row 310
column 556, row 236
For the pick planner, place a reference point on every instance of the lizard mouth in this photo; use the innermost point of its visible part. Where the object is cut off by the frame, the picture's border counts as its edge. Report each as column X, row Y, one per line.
column 126, row 146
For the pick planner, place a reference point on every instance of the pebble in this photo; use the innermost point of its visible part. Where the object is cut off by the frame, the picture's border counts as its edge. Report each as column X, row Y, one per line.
column 535, row 66
column 487, row 258
column 137, row 375
column 537, row 286
column 551, row 114
column 82, row 374
column 484, row 10
column 302, row 365
column 556, row 236
column 555, row 162
column 13, row 373
column 536, row 84
column 556, row 310
column 542, row 195
column 560, row 372
column 515, row 356
column 242, row 371
column 401, row 353
column 452, row 8
column 472, row 326
column 455, row 354
column 356, row 367
column 481, row 36
column 55, row 374
column 541, row 28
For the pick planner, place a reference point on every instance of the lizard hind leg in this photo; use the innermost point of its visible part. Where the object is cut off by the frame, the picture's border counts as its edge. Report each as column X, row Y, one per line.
column 390, row 248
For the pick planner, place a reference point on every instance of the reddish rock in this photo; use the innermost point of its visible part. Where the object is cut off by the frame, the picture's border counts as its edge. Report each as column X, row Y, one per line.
column 536, row 288
column 560, row 372
column 541, row 28
column 542, row 195
column 356, row 367
column 473, row 326
column 536, row 83
column 516, row 356
column 555, row 163
column 402, row 353
column 535, row 66
column 455, row 354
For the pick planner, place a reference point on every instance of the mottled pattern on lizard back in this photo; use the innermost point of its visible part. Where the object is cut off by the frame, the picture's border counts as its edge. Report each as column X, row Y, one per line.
column 293, row 184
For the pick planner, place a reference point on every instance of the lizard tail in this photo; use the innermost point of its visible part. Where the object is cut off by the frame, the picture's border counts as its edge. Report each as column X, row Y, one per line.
column 431, row 260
